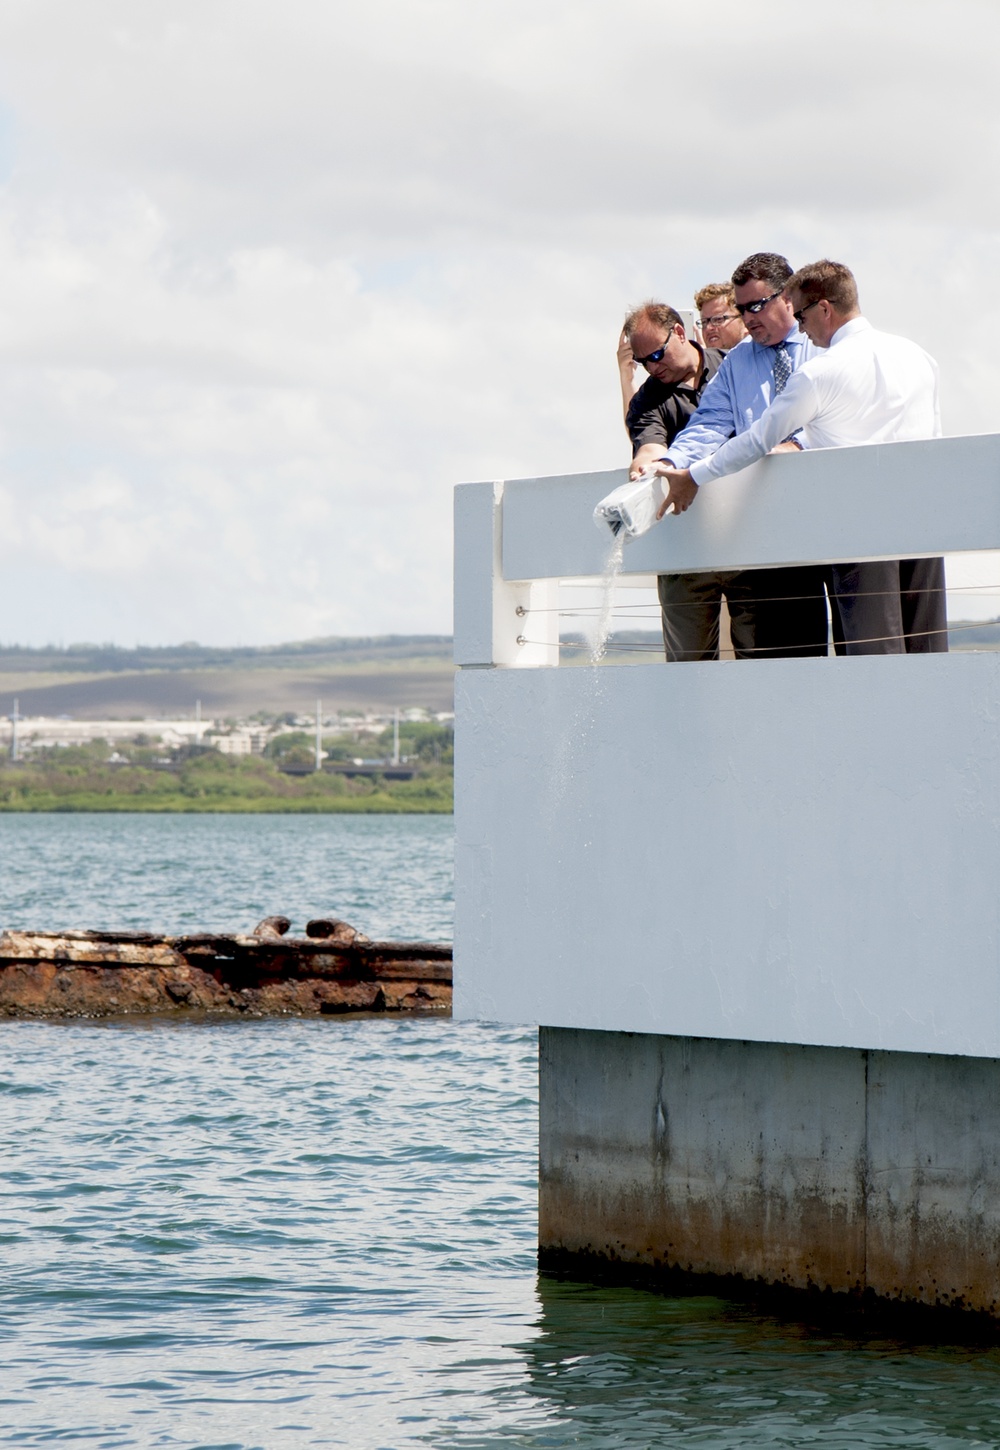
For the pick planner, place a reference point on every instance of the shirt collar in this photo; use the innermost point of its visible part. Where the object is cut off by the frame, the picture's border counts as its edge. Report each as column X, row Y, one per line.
column 850, row 329
column 795, row 338
column 702, row 377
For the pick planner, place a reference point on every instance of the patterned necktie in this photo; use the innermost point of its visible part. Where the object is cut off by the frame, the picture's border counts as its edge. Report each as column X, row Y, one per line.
column 782, row 368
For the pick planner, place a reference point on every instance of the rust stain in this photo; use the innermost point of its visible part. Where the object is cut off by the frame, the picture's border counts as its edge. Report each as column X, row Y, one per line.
column 804, row 1244
column 331, row 971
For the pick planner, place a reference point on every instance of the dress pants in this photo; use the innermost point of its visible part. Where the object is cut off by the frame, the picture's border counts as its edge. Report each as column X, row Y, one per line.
column 890, row 607
column 772, row 612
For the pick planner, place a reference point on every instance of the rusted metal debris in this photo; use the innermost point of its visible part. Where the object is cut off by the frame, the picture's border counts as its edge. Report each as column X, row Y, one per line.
column 333, row 969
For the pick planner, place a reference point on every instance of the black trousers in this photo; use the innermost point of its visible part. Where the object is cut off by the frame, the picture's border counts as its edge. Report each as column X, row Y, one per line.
column 773, row 613
column 891, row 607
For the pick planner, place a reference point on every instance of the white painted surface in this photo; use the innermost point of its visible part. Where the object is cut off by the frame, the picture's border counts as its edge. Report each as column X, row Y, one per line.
column 892, row 501
column 475, row 521
column 797, row 851
column 490, row 614
column 778, row 850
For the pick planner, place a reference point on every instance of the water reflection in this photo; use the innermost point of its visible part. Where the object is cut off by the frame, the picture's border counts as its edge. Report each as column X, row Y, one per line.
column 624, row 1367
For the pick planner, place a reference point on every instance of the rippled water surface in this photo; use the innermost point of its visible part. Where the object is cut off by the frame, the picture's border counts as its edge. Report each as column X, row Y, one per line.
column 322, row 1233
column 391, row 876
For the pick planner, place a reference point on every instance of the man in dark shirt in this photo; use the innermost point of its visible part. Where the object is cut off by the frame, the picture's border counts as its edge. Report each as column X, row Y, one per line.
column 678, row 373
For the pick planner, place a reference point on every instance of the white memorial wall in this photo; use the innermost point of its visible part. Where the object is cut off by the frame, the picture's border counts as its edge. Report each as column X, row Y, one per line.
column 803, row 851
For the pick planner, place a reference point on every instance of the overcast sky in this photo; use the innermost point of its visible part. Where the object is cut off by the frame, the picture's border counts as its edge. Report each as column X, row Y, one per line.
column 275, row 277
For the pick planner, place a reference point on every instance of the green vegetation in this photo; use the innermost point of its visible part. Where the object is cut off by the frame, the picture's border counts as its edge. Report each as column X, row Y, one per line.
column 423, row 741
column 420, row 740
column 296, row 747
column 145, row 777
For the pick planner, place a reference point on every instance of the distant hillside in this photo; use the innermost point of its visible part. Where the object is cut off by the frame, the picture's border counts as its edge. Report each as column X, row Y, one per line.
column 89, row 681
column 335, row 649
column 965, row 634
column 364, row 673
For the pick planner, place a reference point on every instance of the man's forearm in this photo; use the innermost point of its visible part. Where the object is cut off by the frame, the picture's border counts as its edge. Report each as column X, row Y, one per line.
column 714, row 421
column 789, row 412
column 648, row 453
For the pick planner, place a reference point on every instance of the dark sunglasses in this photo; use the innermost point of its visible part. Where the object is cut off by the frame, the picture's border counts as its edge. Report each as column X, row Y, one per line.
column 754, row 307
column 803, row 310
column 654, row 357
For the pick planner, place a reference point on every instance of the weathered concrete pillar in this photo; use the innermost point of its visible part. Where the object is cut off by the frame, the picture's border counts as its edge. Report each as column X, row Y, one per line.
column 811, row 1167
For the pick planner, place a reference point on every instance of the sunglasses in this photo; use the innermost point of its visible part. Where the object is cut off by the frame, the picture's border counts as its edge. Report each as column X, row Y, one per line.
column 754, row 307
column 803, row 310
column 654, row 357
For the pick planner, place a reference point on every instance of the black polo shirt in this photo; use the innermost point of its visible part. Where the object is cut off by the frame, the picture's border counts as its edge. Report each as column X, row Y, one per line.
column 659, row 411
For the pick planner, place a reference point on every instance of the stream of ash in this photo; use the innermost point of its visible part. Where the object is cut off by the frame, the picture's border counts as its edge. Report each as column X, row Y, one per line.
column 600, row 629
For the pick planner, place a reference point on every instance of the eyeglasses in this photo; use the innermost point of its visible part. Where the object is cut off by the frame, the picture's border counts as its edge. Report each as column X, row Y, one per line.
column 718, row 321
column 654, row 357
column 803, row 310
column 754, row 307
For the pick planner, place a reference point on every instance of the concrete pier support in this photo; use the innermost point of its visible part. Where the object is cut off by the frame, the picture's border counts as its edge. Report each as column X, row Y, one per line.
column 832, row 1168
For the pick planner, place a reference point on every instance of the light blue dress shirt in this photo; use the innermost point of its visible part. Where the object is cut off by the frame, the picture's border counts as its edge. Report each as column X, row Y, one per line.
column 735, row 398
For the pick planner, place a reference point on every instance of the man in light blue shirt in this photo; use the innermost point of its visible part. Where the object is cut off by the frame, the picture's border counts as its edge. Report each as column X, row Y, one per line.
column 784, row 608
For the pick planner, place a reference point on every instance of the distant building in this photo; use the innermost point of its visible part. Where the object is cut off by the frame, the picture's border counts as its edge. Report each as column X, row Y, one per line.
column 241, row 742
column 41, row 730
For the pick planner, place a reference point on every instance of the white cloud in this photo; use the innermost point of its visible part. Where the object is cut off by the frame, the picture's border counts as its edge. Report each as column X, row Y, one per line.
column 274, row 278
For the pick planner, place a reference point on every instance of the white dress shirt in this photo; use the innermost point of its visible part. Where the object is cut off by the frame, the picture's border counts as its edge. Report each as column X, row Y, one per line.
column 867, row 387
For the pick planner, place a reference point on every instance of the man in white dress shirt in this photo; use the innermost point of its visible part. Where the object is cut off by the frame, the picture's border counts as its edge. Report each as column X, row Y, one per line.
column 865, row 387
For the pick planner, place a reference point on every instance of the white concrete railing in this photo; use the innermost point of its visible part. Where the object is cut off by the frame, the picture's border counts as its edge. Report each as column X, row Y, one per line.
column 900, row 500
column 784, row 850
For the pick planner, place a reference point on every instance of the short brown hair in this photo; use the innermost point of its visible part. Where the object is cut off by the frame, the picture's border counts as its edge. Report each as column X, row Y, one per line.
column 711, row 290
column 658, row 313
column 827, row 281
column 769, row 267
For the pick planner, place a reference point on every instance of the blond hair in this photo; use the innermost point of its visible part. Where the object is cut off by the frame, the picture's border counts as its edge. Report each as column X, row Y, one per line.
column 711, row 290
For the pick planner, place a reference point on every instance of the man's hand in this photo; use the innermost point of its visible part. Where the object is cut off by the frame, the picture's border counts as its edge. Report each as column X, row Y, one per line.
column 626, row 362
column 789, row 446
column 627, row 368
column 681, row 489
column 644, row 459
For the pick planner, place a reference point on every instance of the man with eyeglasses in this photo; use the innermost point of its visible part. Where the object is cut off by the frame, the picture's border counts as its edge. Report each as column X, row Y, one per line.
column 773, row 612
column 721, row 325
column 862, row 387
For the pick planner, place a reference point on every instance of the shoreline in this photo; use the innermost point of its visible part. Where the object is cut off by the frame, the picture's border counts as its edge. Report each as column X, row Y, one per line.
column 259, row 806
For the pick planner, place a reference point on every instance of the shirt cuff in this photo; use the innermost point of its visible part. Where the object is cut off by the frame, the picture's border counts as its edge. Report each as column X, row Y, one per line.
column 702, row 471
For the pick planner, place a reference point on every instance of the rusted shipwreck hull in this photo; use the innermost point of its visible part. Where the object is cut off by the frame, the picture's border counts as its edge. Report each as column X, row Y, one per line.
column 331, row 970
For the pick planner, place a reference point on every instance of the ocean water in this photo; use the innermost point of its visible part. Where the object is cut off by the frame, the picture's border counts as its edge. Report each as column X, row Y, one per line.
column 322, row 1233
column 389, row 876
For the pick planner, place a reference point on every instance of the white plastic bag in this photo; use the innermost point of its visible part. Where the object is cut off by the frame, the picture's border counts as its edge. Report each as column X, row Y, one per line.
column 632, row 506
